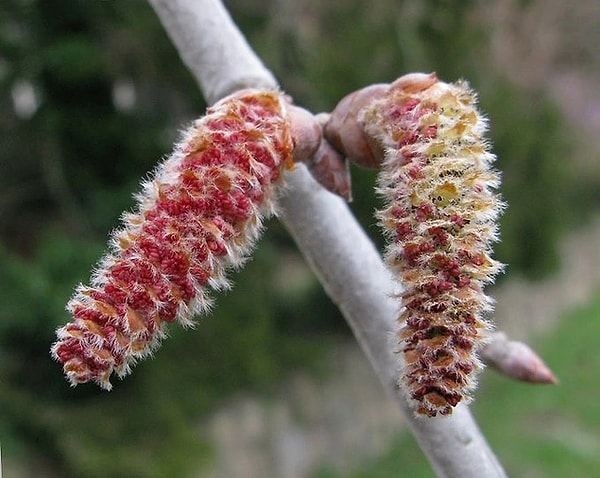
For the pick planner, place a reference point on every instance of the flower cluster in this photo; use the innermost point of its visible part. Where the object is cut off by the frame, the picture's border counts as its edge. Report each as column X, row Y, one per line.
column 439, row 217
column 197, row 216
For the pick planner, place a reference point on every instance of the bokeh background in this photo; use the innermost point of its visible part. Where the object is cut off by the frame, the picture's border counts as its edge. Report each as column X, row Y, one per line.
column 92, row 95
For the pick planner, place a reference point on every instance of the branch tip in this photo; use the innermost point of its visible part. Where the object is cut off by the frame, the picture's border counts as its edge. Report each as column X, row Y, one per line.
column 517, row 360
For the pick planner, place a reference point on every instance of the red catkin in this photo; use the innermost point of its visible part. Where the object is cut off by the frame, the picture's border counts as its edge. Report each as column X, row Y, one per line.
column 198, row 216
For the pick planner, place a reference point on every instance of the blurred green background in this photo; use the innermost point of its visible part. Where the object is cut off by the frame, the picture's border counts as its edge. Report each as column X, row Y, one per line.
column 92, row 95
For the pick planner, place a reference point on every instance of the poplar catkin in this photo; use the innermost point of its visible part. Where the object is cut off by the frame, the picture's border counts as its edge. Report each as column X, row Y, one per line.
column 197, row 216
column 439, row 217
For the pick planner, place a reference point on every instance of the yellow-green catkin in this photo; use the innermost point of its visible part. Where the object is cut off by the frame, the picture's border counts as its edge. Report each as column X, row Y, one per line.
column 440, row 220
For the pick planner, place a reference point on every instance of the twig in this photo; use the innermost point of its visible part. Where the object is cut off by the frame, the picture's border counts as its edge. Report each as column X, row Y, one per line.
column 328, row 235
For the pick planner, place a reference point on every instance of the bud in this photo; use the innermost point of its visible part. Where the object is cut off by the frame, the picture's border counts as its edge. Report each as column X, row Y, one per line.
column 516, row 360
column 197, row 216
column 345, row 131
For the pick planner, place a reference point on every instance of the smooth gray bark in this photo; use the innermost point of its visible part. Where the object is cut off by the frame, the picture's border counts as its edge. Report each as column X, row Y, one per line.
column 345, row 260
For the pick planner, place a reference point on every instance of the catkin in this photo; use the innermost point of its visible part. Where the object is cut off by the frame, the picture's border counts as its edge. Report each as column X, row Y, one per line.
column 439, row 217
column 197, row 216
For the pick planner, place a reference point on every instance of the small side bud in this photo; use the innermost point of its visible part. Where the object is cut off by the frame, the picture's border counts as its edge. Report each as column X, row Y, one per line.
column 331, row 170
column 306, row 133
column 327, row 165
column 345, row 131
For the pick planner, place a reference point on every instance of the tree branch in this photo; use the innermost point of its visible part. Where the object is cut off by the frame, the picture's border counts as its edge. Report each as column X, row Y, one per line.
column 344, row 259
column 212, row 47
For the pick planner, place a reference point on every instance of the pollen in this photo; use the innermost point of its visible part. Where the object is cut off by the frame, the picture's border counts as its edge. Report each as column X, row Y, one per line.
column 445, row 194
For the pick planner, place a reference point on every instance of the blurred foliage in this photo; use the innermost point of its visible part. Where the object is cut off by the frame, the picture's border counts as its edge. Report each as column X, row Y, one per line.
column 533, row 156
column 106, row 93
